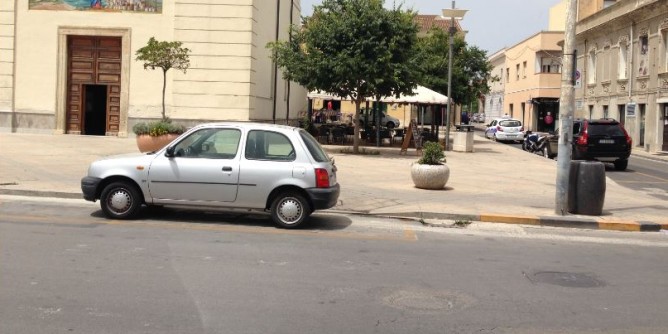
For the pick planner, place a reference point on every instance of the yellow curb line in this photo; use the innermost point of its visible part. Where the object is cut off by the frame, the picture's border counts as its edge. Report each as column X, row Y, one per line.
column 508, row 219
column 619, row 226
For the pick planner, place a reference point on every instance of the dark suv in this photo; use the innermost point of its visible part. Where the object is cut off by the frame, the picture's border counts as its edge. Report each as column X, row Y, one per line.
column 603, row 139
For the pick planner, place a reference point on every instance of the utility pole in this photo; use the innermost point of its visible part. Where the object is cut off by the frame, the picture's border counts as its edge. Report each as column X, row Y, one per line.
column 566, row 111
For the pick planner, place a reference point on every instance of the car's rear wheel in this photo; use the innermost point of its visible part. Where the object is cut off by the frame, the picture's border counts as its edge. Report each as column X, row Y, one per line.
column 621, row 164
column 289, row 209
column 120, row 200
column 390, row 125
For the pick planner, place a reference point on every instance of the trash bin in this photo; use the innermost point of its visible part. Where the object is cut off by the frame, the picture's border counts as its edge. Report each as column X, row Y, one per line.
column 586, row 187
column 463, row 141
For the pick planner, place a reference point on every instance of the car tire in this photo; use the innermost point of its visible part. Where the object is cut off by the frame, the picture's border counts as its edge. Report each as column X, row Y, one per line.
column 289, row 209
column 390, row 125
column 120, row 200
column 621, row 164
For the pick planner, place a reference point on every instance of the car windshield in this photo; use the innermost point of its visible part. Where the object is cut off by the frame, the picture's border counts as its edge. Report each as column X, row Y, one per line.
column 510, row 123
column 317, row 152
column 605, row 130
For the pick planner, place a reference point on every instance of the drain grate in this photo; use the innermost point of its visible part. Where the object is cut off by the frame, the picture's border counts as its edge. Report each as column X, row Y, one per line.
column 429, row 301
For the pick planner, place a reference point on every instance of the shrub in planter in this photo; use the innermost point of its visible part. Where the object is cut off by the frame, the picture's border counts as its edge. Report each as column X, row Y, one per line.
column 430, row 171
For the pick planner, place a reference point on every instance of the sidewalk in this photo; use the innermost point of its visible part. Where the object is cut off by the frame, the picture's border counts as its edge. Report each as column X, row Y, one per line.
column 496, row 183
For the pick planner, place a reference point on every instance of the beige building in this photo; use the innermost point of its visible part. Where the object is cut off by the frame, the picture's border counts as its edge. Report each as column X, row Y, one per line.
column 525, row 81
column 69, row 69
column 533, row 80
column 623, row 64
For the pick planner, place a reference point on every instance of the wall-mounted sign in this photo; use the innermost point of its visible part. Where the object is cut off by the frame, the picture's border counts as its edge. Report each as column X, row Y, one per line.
column 631, row 109
column 144, row 6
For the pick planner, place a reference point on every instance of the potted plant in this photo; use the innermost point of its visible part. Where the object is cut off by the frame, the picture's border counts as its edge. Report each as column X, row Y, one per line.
column 430, row 171
column 152, row 136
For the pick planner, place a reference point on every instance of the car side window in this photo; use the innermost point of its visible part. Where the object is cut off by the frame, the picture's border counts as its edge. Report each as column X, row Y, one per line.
column 268, row 145
column 215, row 143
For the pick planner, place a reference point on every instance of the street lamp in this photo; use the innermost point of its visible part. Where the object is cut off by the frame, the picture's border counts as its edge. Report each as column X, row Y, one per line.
column 452, row 14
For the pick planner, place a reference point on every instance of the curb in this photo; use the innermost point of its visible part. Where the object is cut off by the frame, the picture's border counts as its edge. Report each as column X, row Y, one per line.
column 552, row 221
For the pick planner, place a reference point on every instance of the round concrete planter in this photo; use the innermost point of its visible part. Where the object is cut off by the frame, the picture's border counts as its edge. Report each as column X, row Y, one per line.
column 147, row 143
column 430, row 176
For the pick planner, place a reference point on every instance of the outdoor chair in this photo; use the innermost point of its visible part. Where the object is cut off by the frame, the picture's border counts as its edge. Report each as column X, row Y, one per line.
column 323, row 134
column 399, row 134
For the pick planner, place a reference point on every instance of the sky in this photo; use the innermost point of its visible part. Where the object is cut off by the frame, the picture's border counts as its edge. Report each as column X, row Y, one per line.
column 491, row 24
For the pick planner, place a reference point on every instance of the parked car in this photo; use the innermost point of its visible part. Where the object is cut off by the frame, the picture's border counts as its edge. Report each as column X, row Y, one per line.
column 505, row 129
column 479, row 118
column 604, row 139
column 250, row 166
column 386, row 120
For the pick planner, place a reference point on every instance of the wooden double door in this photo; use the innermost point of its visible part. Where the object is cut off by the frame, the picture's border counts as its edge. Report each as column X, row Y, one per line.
column 93, row 85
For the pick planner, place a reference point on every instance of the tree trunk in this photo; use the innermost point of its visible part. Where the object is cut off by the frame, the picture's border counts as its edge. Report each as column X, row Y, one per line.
column 164, row 84
column 356, row 124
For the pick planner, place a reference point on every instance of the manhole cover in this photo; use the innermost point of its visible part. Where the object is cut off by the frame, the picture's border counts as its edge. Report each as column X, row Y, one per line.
column 427, row 300
column 569, row 280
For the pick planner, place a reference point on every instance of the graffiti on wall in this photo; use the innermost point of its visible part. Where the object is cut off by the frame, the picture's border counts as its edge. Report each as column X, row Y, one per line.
column 145, row 6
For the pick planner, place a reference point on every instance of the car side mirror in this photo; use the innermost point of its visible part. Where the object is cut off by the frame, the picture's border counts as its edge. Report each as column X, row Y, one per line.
column 169, row 152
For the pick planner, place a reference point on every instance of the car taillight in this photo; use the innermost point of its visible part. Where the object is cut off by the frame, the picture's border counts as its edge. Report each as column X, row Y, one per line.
column 629, row 141
column 585, row 136
column 499, row 128
column 321, row 178
column 522, row 129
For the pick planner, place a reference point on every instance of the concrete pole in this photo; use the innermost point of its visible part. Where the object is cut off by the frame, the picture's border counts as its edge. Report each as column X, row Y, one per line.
column 566, row 110
column 448, row 112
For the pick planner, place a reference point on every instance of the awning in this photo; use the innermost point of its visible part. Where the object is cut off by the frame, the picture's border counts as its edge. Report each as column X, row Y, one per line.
column 420, row 94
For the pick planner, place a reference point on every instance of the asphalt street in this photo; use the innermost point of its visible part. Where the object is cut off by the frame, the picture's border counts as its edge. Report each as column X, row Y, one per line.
column 179, row 271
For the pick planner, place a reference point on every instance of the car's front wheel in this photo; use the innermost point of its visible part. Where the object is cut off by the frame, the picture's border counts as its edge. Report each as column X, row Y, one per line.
column 120, row 200
column 289, row 209
column 390, row 125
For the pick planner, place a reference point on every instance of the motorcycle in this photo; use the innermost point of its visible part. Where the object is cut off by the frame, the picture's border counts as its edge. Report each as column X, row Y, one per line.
column 536, row 143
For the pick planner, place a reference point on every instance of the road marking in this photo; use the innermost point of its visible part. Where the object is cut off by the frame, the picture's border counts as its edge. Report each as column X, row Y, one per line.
column 408, row 234
column 652, row 176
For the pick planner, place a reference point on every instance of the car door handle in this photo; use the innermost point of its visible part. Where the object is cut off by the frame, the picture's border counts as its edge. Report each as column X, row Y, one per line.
column 227, row 169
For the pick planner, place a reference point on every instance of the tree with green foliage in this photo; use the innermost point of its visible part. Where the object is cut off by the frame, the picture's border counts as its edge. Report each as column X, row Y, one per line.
column 354, row 49
column 470, row 68
column 164, row 55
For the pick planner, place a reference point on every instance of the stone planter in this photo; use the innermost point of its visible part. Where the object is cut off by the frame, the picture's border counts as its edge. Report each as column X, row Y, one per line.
column 430, row 176
column 147, row 143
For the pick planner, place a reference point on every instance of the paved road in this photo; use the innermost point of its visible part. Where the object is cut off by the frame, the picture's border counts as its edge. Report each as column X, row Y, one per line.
column 65, row 269
column 643, row 175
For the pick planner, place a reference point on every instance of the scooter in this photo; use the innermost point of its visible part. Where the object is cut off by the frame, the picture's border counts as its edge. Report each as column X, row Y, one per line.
column 535, row 143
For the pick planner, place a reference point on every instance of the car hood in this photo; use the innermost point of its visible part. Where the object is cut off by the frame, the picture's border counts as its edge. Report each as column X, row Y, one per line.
column 119, row 164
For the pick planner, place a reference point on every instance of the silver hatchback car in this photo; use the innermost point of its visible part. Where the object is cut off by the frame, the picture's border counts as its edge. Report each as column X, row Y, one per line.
column 248, row 166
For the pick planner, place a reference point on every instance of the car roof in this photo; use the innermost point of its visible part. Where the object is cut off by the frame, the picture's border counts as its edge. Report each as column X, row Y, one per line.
column 253, row 125
column 507, row 119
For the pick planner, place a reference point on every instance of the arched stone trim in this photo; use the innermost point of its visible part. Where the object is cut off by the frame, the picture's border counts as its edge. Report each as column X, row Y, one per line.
column 61, row 83
column 663, row 25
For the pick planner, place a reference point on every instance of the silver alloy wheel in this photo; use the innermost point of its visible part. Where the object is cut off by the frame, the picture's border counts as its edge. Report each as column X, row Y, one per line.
column 120, row 201
column 289, row 210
